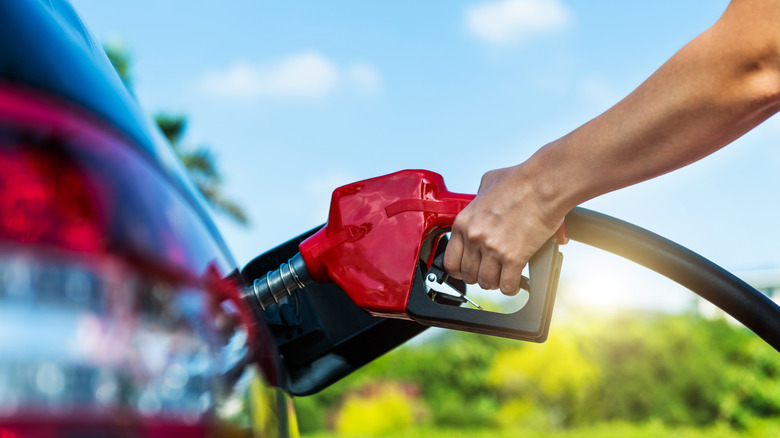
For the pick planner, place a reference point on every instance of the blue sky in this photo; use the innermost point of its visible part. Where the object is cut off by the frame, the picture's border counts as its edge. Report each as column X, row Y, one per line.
column 297, row 98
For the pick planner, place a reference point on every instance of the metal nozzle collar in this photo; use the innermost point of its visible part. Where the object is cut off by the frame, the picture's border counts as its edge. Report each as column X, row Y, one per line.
column 284, row 281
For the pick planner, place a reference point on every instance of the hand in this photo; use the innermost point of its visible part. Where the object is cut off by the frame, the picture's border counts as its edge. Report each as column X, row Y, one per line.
column 500, row 230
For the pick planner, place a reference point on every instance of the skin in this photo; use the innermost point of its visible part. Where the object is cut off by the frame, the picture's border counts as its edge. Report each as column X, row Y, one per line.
column 719, row 86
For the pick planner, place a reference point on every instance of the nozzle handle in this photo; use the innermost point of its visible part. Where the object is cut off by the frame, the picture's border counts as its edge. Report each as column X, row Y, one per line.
column 531, row 323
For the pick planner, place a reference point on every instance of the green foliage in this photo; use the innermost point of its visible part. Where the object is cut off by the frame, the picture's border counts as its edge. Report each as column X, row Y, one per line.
column 754, row 387
column 555, row 375
column 452, row 373
column 653, row 429
column 172, row 126
column 379, row 409
column 662, row 367
column 201, row 164
column 312, row 416
column 120, row 58
column 644, row 375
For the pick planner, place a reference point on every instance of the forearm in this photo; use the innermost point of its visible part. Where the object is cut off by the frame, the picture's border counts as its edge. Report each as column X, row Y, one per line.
column 712, row 91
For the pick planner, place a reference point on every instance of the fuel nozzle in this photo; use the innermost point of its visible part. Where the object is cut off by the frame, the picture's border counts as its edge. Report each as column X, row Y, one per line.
column 376, row 247
column 277, row 284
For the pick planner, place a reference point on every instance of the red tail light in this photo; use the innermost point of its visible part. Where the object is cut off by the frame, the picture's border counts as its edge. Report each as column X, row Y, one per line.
column 106, row 317
column 45, row 199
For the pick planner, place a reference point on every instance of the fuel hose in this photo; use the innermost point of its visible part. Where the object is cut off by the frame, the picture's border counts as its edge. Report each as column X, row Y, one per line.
column 740, row 300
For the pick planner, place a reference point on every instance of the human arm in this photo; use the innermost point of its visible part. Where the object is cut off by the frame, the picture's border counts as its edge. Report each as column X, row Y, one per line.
column 716, row 88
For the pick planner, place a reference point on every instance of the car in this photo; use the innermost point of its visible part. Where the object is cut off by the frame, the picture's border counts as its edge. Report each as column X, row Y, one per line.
column 119, row 312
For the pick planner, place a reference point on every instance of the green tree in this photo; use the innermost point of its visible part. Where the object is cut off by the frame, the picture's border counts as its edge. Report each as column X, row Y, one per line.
column 199, row 161
column 451, row 373
column 201, row 164
column 555, row 378
column 120, row 58
column 378, row 409
column 753, row 382
column 662, row 367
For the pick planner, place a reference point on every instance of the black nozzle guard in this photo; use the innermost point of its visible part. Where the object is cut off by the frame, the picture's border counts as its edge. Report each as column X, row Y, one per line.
column 531, row 323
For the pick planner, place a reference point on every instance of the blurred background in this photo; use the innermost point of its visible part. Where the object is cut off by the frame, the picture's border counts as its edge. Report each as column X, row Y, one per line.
column 273, row 105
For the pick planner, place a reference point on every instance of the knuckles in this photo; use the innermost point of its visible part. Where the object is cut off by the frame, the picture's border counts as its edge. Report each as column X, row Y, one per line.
column 510, row 257
column 493, row 245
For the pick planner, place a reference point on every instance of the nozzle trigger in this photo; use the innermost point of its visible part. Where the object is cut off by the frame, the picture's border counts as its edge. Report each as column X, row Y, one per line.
column 434, row 286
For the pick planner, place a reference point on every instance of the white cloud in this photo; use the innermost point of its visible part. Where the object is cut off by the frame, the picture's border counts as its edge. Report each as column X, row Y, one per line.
column 514, row 21
column 307, row 75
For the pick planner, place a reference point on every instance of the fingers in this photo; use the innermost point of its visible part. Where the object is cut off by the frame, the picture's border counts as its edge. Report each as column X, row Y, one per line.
column 473, row 267
column 474, row 264
column 470, row 264
column 510, row 279
column 470, row 257
column 464, row 261
column 453, row 255
column 493, row 273
column 489, row 272
column 462, row 258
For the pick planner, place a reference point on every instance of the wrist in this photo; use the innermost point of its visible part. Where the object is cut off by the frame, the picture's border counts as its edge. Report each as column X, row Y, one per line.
column 550, row 183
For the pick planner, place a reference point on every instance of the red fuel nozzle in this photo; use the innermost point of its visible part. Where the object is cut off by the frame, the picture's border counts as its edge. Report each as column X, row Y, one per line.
column 372, row 242
column 378, row 246
column 376, row 230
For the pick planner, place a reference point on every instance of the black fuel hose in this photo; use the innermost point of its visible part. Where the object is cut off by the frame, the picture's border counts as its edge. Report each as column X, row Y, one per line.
column 713, row 283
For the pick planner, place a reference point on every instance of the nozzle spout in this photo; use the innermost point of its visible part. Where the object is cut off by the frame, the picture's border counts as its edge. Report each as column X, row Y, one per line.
column 277, row 284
